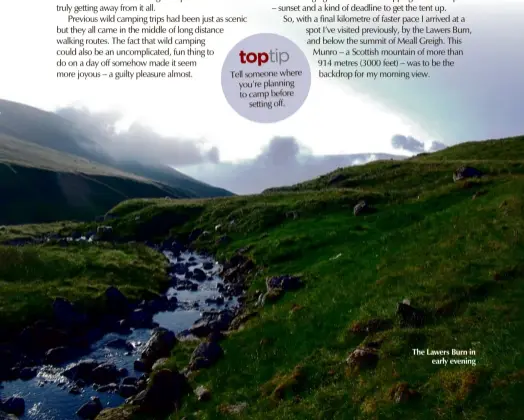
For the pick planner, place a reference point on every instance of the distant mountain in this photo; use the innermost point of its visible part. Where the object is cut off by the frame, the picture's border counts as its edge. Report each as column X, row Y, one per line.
column 50, row 171
column 55, row 132
column 272, row 171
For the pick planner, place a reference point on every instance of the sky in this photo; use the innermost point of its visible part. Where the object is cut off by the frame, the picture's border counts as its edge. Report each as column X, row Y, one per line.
column 189, row 121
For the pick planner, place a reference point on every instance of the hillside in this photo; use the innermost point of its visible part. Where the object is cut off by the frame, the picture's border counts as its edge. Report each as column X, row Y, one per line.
column 454, row 250
column 50, row 171
column 40, row 185
column 52, row 131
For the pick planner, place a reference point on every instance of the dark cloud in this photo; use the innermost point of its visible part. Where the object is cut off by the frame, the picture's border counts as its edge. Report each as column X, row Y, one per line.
column 407, row 143
column 137, row 142
column 284, row 161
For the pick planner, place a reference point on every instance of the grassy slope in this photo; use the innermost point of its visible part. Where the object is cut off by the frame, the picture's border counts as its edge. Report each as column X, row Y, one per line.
column 56, row 135
column 455, row 257
column 39, row 185
column 458, row 258
column 32, row 276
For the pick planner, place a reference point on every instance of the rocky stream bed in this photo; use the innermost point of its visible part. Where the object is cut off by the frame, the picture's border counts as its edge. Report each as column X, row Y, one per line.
column 73, row 368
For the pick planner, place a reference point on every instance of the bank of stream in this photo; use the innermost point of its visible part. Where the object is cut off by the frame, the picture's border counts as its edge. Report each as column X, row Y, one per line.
column 196, row 290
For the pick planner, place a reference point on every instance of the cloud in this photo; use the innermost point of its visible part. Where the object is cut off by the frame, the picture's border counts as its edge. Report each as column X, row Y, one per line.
column 407, row 143
column 284, row 161
column 138, row 142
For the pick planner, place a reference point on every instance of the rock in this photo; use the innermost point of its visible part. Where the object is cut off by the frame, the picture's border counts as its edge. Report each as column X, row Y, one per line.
column 116, row 301
column 164, row 393
column 410, row 316
column 141, row 384
column 466, row 172
column 159, row 363
column 105, row 373
column 109, row 323
column 202, row 393
column 123, row 326
column 104, row 233
column 5, row 416
column 90, row 409
column 120, row 343
column 157, row 305
column 199, row 275
column 28, row 373
column 75, row 390
column 363, row 358
column 127, row 391
column 129, row 381
column 205, row 355
column 82, row 370
column 179, row 268
column 401, row 393
column 111, row 387
column 76, row 235
column 140, row 318
column 208, row 265
column 270, row 296
column 159, row 346
column 241, row 319
column 67, row 316
column 9, row 357
column 211, row 322
column 233, row 408
column 13, row 405
column 139, row 366
column 83, row 341
column 215, row 336
column 219, row 300
column 124, row 412
column 361, row 208
column 57, row 355
column 284, row 283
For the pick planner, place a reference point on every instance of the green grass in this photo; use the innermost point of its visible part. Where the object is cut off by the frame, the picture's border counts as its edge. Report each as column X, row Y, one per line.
column 36, row 230
column 460, row 259
column 456, row 257
column 32, row 276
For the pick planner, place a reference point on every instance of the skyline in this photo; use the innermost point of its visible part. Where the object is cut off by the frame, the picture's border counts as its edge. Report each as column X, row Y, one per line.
column 174, row 116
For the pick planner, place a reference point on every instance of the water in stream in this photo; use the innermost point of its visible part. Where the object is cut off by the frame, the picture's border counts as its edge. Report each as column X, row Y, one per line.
column 47, row 395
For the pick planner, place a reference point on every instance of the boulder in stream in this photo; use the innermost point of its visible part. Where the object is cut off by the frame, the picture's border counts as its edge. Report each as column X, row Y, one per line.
column 159, row 346
column 57, row 355
column 13, row 405
column 199, row 274
column 81, row 370
column 105, row 373
column 90, row 409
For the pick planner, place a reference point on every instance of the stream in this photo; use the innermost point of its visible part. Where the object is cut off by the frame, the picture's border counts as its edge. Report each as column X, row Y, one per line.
column 47, row 396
